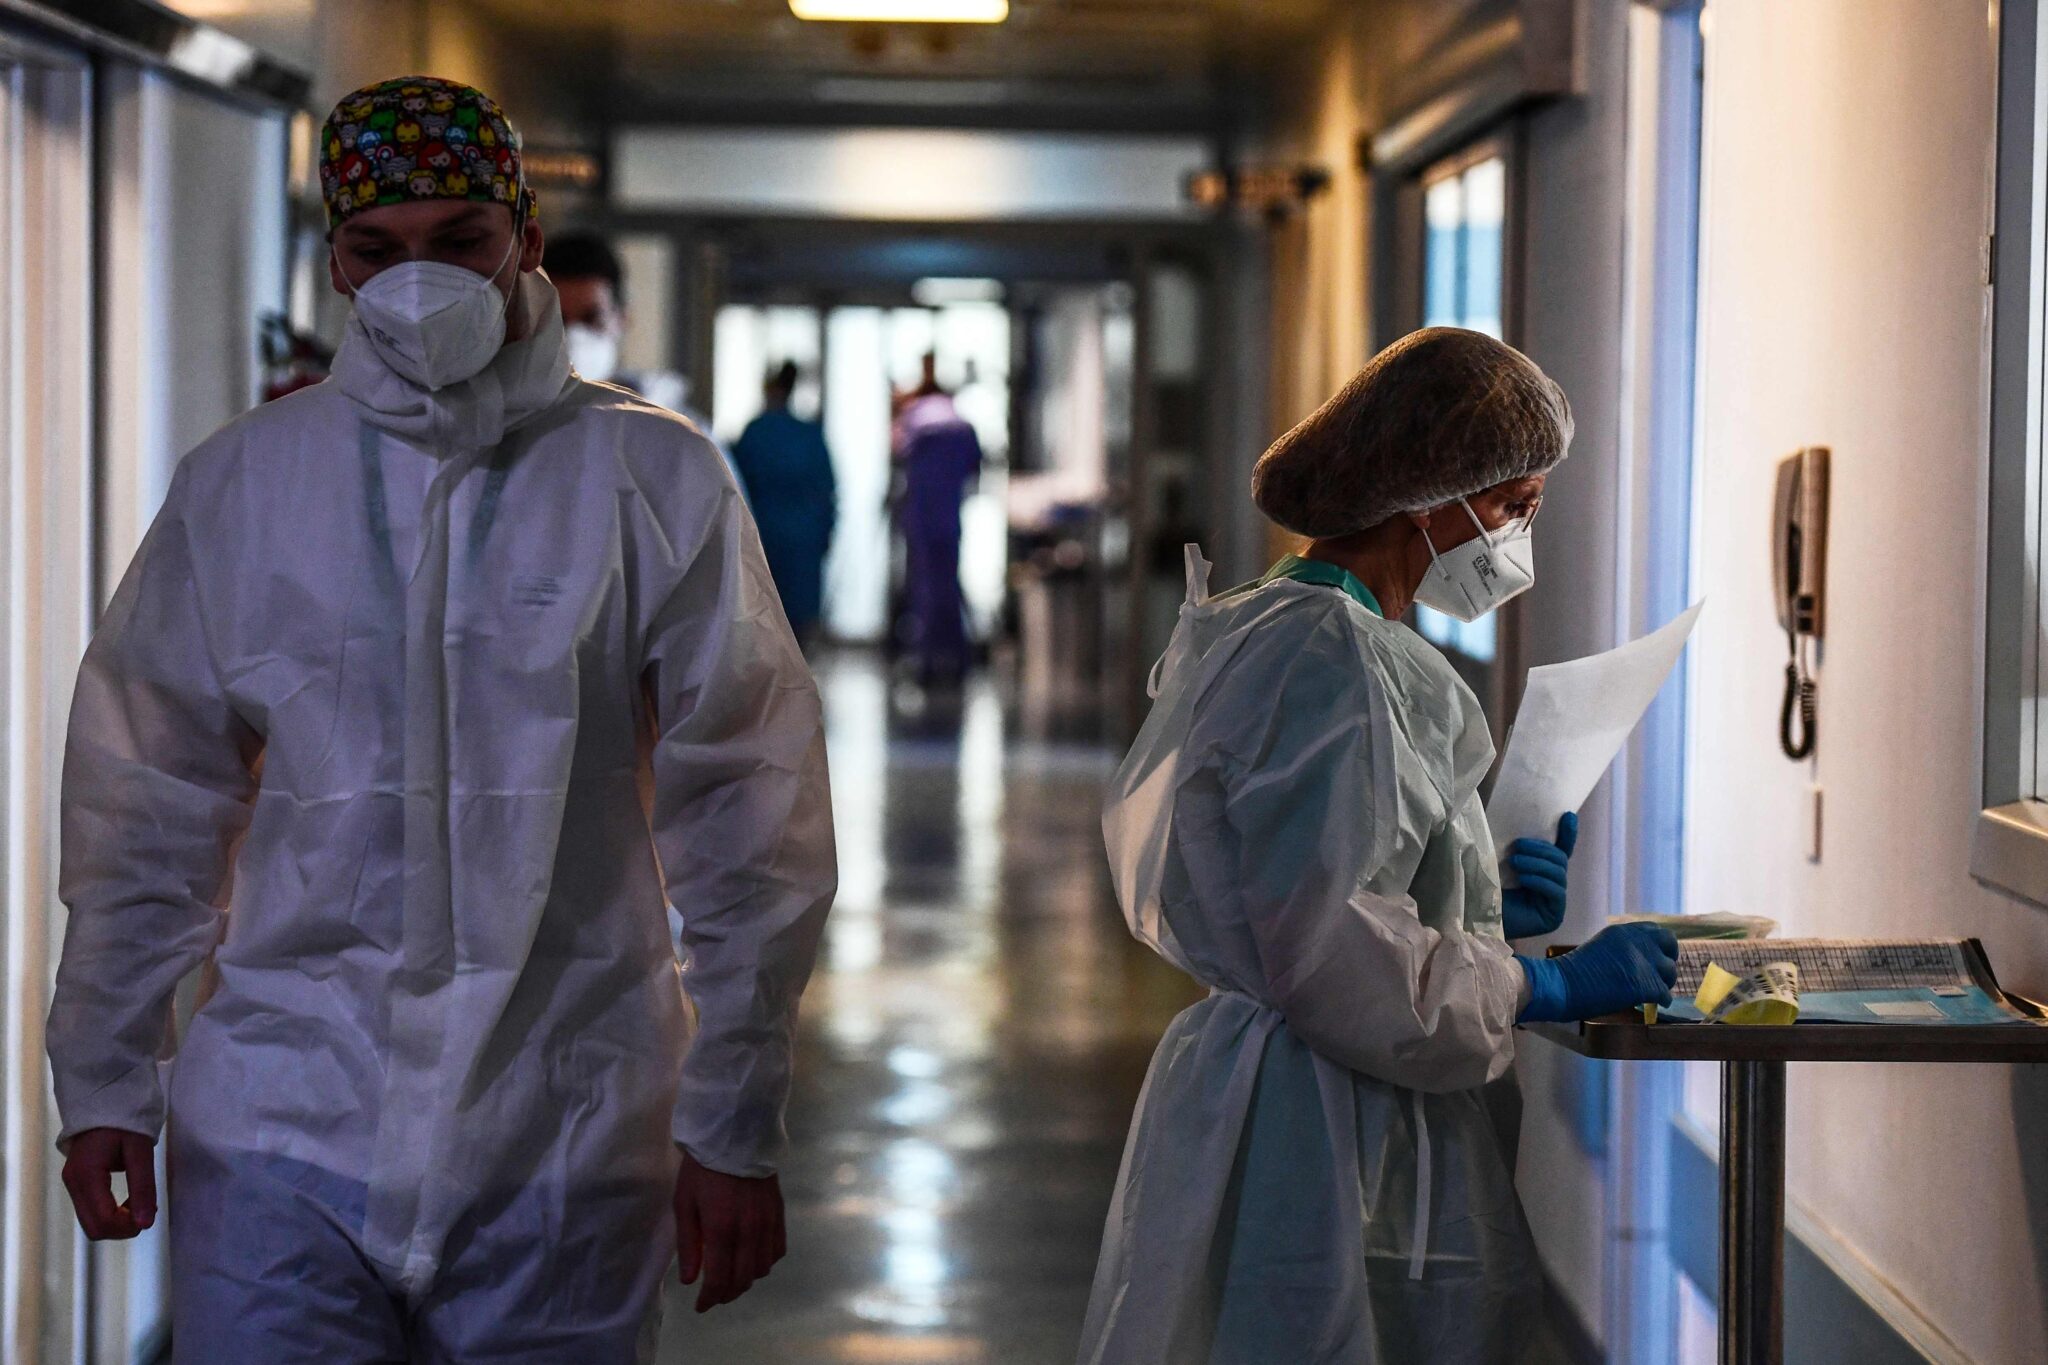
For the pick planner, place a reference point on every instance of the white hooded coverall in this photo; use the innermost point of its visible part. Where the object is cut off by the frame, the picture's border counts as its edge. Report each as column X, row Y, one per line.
column 1320, row 1168
column 411, row 716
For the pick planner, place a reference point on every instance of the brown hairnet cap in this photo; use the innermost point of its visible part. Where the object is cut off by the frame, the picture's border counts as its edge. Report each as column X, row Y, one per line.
column 1440, row 414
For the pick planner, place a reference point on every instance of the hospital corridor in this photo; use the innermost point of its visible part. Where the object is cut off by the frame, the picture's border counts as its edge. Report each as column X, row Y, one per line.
column 1023, row 682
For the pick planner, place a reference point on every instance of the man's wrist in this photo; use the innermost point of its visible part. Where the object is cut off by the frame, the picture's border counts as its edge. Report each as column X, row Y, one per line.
column 725, row 1168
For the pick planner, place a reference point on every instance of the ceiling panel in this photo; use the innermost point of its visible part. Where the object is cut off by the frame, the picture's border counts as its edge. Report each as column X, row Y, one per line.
column 1062, row 61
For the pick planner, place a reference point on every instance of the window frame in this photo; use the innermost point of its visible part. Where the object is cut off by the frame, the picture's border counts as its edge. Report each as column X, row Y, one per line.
column 2010, row 847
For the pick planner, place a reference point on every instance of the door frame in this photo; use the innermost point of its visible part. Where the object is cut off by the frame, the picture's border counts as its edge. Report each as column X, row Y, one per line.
column 1657, row 471
column 46, row 506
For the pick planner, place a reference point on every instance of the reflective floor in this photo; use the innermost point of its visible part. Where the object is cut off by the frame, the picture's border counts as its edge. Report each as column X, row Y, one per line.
column 971, row 1048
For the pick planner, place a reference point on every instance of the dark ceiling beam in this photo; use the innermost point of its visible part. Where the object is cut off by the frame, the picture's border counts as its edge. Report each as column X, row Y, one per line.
column 184, row 48
column 764, row 255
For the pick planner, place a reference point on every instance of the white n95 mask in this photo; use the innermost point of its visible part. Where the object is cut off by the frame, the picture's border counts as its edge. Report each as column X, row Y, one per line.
column 592, row 353
column 433, row 323
column 1470, row 580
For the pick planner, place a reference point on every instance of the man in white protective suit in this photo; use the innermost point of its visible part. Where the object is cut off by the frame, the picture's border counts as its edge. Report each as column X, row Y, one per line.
column 431, row 688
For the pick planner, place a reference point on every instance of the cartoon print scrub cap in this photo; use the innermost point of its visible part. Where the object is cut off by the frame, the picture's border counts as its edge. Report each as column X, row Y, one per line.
column 419, row 137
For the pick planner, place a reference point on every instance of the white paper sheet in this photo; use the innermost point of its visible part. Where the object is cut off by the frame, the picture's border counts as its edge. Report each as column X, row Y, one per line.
column 1574, row 719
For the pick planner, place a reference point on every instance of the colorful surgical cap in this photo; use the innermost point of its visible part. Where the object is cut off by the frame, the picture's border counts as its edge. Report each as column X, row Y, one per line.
column 419, row 137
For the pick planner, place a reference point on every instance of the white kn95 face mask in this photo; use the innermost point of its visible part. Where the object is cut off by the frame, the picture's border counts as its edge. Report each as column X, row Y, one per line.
column 1467, row 581
column 432, row 323
column 594, row 354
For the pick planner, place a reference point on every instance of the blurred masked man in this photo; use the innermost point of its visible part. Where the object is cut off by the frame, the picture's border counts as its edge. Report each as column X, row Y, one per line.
column 428, row 689
column 591, row 283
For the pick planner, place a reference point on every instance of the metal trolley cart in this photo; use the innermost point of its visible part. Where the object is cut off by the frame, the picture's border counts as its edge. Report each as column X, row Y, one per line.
column 1753, row 1059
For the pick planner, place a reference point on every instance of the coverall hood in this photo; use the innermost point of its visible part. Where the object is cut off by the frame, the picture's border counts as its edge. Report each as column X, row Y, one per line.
column 524, row 379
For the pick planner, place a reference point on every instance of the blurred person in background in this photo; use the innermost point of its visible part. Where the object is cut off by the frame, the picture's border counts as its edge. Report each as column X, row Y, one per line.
column 592, row 285
column 787, row 474
column 938, row 458
column 591, row 281
column 429, row 688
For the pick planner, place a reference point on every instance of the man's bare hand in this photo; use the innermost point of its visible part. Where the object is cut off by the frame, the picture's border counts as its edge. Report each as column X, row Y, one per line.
column 89, row 1170
column 728, row 1229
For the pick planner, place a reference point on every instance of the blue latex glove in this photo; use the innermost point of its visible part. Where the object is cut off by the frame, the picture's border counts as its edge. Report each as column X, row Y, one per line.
column 1624, row 966
column 1536, row 906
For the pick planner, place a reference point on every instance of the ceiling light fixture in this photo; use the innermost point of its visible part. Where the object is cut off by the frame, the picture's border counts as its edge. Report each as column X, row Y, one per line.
column 936, row 291
column 902, row 11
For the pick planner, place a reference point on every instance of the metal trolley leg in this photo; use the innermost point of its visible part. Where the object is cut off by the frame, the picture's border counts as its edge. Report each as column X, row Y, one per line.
column 1752, row 1213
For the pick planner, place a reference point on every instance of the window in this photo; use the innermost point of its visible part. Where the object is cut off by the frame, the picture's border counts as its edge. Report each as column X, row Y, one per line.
column 1464, row 256
column 2011, row 848
column 1465, row 206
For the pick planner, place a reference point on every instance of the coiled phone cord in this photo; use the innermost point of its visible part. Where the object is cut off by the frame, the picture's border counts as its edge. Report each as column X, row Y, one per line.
column 1801, row 704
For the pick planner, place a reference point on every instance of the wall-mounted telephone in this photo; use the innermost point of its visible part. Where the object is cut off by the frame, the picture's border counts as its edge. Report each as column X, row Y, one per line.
column 1799, row 551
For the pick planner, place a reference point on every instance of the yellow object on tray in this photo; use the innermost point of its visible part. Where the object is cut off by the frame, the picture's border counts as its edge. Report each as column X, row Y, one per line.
column 1768, row 996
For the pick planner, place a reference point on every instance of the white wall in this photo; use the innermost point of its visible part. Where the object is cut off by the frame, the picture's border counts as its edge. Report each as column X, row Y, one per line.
column 1847, row 147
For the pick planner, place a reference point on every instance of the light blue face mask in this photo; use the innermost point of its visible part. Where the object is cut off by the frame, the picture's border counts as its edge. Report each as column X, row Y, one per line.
column 1467, row 581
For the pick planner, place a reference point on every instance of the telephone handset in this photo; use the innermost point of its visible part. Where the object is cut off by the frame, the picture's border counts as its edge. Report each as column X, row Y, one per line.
column 1799, row 547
